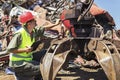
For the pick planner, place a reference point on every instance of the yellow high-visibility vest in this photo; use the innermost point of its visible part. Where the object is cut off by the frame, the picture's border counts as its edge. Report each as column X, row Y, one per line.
column 26, row 41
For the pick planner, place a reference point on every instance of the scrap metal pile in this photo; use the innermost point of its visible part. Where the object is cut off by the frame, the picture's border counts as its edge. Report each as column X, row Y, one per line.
column 83, row 32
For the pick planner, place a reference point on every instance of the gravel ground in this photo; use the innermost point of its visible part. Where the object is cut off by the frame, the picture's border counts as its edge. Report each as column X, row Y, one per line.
column 73, row 74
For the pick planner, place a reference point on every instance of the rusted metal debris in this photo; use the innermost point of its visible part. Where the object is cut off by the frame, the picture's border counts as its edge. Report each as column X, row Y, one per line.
column 87, row 37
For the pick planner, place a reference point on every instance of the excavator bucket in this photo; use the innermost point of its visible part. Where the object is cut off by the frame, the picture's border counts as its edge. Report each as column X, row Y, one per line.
column 108, row 57
column 54, row 58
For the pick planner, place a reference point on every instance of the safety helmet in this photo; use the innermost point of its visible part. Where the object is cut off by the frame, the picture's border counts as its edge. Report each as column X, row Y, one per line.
column 25, row 17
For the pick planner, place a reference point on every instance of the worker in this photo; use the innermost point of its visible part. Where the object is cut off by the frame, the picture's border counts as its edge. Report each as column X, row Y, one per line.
column 21, row 58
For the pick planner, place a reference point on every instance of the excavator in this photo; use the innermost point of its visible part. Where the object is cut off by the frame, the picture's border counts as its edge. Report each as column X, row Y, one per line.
column 88, row 35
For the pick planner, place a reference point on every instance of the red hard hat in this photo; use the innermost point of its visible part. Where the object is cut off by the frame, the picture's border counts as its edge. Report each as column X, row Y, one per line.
column 25, row 17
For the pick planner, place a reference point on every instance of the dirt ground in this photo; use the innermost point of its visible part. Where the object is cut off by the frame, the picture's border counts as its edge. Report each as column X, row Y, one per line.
column 73, row 74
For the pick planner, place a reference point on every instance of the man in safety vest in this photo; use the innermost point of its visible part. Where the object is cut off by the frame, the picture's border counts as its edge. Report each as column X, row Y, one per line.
column 21, row 58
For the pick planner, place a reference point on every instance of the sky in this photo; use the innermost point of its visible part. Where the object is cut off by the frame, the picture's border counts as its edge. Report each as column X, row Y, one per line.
column 113, row 7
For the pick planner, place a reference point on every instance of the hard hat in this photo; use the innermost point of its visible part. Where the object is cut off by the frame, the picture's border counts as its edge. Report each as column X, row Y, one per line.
column 25, row 17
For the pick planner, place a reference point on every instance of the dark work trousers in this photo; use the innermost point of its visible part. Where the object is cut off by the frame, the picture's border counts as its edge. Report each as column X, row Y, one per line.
column 30, row 70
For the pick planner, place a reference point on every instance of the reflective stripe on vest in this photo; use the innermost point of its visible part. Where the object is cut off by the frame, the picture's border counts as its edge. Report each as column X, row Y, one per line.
column 26, row 41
